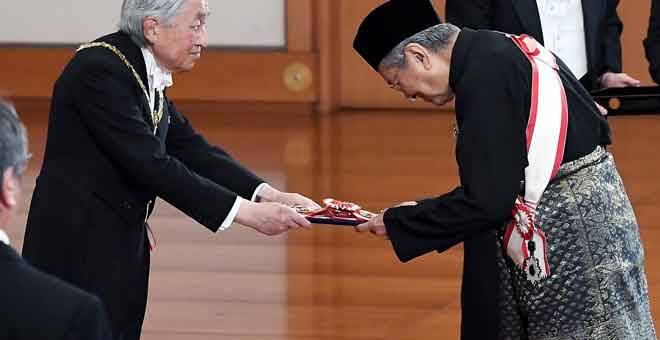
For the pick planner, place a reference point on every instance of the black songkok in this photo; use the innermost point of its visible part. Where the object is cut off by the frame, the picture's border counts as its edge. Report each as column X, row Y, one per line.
column 390, row 24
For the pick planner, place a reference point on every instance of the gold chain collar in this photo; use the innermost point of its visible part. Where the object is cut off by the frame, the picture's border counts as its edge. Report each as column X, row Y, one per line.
column 156, row 116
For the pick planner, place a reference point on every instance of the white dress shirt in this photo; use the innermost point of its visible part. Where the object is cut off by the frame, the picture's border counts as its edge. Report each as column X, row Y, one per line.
column 562, row 22
column 160, row 78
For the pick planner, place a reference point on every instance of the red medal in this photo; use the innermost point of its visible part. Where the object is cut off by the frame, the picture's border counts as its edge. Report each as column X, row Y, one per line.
column 338, row 213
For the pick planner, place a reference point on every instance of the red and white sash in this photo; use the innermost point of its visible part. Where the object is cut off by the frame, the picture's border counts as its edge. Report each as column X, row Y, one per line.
column 524, row 241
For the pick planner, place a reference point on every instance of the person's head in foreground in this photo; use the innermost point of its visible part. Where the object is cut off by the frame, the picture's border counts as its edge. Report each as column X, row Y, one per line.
column 13, row 158
column 408, row 45
column 174, row 30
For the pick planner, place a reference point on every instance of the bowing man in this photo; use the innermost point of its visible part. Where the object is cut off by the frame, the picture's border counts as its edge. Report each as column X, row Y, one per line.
column 552, row 246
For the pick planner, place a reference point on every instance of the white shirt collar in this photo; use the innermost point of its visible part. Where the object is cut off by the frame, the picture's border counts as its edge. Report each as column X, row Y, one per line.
column 3, row 237
column 158, row 77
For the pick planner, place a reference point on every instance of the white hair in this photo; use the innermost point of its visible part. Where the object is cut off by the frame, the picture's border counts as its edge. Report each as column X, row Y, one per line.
column 133, row 13
column 434, row 38
column 13, row 140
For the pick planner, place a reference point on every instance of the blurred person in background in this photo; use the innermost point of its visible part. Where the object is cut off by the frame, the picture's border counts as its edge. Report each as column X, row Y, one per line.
column 551, row 243
column 652, row 41
column 35, row 305
column 585, row 34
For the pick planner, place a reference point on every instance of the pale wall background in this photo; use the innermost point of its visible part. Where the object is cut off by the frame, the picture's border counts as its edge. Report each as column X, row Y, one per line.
column 233, row 23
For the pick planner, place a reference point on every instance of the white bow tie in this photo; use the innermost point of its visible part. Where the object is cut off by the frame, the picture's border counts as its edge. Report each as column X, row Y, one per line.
column 161, row 79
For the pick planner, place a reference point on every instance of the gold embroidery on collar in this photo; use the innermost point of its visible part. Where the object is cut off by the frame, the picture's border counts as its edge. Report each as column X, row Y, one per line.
column 156, row 116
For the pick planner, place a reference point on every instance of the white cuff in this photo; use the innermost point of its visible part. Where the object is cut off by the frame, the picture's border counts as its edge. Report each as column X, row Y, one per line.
column 257, row 190
column 231, row 216
column 234, row 209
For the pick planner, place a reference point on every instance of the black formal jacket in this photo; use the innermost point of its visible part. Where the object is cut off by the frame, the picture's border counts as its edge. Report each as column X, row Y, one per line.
column 602, row 27
column 35, row 306
column 652, row 41
column 492, row 80
column 103, row 165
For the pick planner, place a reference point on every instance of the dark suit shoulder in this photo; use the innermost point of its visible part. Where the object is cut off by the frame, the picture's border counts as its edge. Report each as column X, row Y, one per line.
column 37, row 305
column 89, row 321
column 480, row 54
column 94, row 60
column 102, row 61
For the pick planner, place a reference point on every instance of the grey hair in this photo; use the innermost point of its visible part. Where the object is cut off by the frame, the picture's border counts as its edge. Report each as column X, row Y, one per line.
column 434, row 38
column 133, row 13
column 13, row 140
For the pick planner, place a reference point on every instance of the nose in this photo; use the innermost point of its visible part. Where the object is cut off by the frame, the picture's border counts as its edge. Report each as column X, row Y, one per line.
column 203, row 37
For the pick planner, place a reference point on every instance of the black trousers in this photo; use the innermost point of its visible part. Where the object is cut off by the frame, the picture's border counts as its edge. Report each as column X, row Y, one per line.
column 121, row 281
column 127, row 309
column 114, row 268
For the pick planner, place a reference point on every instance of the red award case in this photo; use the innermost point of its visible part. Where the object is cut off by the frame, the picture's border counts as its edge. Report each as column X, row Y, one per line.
column 338, row 213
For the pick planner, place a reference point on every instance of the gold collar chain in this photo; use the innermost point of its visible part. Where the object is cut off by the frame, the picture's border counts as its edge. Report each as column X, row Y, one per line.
column 156, row 116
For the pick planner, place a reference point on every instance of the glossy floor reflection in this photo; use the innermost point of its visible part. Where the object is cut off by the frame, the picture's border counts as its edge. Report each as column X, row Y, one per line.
column 331, row 283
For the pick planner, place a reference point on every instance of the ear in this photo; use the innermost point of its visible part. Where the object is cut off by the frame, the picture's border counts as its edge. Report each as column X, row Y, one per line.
column 416, row 53
column 9, row 190
column 151, row 29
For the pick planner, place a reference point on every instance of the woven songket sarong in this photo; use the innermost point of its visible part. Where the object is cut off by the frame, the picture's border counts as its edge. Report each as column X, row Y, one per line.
column 597, row 288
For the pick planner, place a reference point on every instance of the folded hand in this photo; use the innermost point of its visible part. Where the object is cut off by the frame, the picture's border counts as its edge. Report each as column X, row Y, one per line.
column 610, row 79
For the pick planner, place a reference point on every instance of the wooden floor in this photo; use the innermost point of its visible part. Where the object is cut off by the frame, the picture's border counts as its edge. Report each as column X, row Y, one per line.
column 331, row 283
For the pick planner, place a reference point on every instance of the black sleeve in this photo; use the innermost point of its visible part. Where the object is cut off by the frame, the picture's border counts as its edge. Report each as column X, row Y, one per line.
column 210, row 161
column 491, row 154
column 652, row 41
column 111, row 111
column 611, row 43
column 89, row 322
column 475, row 14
